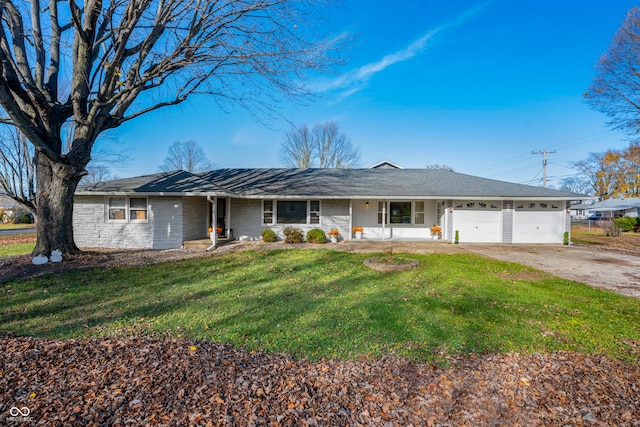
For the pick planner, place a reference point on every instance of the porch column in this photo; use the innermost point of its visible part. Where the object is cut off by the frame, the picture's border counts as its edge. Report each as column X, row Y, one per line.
column 214, row 223
column 350, row 219
column 384, row 219
column 227, row 214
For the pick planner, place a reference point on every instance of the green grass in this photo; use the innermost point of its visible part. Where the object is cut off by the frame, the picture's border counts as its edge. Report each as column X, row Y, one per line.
column 322, row 303
column 13, row 249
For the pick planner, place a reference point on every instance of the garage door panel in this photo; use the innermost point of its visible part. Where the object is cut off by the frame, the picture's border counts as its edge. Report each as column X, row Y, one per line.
column 530, row 226
column 478, row 226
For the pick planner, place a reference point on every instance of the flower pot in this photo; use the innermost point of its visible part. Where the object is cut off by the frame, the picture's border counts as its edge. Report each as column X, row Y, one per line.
column 334, row 239
column 358, row 235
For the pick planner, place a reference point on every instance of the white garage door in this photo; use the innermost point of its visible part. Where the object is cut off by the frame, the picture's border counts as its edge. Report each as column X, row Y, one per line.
column 477, row 222
column 538, row 222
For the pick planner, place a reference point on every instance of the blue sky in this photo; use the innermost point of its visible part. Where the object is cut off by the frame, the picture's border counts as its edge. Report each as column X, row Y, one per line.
column 475, row 85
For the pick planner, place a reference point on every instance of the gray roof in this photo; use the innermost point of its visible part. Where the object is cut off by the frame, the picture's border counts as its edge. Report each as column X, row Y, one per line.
column 160, row 183
column 616, row 204
column 328, row 183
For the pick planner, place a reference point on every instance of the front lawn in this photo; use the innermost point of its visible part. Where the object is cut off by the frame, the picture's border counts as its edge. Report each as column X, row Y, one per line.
column 16, row 244
column 322, row 303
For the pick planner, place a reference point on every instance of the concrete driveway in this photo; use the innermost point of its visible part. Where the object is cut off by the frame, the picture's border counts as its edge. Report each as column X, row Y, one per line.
column 595, row 267
column 599, row 268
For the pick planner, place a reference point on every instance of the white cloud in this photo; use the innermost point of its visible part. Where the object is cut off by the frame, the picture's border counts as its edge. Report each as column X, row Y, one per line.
column 355, row 80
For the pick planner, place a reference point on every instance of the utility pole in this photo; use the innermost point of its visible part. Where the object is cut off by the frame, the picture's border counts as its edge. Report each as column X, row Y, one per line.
column 544, row 164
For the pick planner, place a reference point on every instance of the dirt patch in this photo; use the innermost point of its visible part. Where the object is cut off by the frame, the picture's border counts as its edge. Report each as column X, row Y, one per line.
column 397, row 264
column 154, row 381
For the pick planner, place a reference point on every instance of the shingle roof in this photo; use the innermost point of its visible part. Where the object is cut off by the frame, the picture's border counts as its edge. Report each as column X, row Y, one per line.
column 360, row 183
column 615, row 204
column 329, row 183
column 164, row 182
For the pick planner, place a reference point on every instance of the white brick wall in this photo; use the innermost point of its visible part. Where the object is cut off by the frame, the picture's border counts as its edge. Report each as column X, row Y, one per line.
column 166, row 216
column 162, row 230
column 175, row 219
column 194, row 218
column 246, row 219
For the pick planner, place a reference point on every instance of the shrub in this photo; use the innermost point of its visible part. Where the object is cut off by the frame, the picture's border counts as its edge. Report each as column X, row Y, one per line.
column 23, row 218
column 268, row 235
column 293, row 235
column 609, row 228
column 625, row 224
column 316, row 236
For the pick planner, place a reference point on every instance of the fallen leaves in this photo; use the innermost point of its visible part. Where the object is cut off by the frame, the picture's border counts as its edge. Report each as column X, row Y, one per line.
column 149, row 381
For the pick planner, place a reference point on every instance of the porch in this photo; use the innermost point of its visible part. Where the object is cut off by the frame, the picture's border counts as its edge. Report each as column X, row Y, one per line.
column 205, row 243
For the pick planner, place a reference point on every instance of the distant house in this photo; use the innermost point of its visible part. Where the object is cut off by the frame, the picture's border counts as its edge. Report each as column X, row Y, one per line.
column 580, row 211
column 616, row 207
column 166, row 209
column 385, row 164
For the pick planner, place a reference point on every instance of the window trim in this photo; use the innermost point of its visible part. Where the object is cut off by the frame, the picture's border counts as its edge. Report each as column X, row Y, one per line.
column 145, row 210
column 127, row 209
column 413, row 223
column 271, row 211
column 109, row 208
column 274, row 212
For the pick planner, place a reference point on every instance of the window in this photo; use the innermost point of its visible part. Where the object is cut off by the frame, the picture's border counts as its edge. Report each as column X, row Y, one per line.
column 419, row 214
column 400, row 212
column 138, row 208
column 267, row 212
column 292, row 212
column 314, row 212
column 117, row 209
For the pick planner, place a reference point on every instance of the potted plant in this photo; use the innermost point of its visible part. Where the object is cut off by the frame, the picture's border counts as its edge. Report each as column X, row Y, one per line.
column 333, row 235
column 436, row 232
column 457, row 238
column 358, row 232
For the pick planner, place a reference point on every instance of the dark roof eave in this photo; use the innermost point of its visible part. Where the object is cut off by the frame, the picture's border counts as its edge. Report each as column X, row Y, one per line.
column 158, row 193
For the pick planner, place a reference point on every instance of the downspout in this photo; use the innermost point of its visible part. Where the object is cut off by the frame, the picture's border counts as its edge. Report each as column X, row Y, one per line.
column 214, row 235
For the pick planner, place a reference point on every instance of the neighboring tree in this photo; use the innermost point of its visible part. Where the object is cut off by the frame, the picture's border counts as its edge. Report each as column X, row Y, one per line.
column 322, row 146
column 437, row 166
column 615, row 90
column 297, row 149
column 127, row 58
column 187, row 156
column 613, row 173
column 576, row 185
column 17, row 168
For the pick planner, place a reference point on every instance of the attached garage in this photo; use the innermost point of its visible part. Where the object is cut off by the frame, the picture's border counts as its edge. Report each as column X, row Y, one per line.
column 538, row 222
column 478, row 221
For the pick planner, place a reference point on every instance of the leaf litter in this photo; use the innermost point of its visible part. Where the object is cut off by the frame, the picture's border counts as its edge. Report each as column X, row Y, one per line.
column 155, row 381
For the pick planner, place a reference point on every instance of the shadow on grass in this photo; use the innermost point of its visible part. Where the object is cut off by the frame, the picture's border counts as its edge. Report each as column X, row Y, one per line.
column 326, row 304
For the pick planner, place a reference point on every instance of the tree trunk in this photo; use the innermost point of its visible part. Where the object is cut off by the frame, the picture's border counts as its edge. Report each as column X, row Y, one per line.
column 56, row 183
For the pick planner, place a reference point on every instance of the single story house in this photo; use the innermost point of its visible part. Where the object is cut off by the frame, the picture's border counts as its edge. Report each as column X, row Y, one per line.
column 163, row 210
column 616, row 207
column 580, row 211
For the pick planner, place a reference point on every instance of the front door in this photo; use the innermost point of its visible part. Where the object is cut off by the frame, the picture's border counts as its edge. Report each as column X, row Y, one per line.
column 221, row 213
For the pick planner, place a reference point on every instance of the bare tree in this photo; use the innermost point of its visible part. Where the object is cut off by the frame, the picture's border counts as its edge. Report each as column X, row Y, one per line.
column 615, row 90
column 322, row 146
column 297, row 149
column 438, row 166
column 187, row 156
column 576, row 185
column 17, row 168
column 114, row 51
